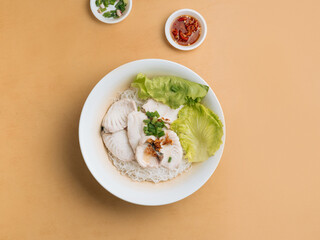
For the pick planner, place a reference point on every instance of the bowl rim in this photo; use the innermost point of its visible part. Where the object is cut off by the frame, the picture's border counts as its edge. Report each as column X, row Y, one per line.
column 91, row 168
column 111, row 20
column 176, row 14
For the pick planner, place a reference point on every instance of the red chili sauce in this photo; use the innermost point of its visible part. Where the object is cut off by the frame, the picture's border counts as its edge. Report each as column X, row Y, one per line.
column 185, row 30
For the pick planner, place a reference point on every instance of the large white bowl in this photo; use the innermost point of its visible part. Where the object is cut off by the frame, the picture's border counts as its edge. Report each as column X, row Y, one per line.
column 94, row 152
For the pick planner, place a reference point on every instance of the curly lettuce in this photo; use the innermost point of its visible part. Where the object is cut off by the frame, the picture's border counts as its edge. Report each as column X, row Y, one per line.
column 200, row 131
column 139, row 82
column 170, row 90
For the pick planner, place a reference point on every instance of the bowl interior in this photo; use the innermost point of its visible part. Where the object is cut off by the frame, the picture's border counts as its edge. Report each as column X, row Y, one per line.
column 191, row 13
column 94, row 152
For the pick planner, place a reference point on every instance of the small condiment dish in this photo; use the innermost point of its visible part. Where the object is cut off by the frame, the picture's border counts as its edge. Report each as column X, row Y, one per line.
column 188, row 12
column 100, row 16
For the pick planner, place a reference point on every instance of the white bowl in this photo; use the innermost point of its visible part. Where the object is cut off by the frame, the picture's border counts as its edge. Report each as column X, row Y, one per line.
column 191, row 13
column 94, row 152
column 99, row 16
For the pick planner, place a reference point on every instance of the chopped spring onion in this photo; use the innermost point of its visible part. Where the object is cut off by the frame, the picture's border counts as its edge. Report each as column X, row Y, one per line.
column 154, row 125
column 120, row 7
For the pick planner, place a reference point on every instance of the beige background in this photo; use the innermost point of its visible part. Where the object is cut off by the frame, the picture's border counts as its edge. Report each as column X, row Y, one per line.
column 262, row 60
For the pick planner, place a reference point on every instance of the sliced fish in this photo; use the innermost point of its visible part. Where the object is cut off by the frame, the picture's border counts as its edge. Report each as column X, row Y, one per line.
column 172, row 152
column 144, row 159
column 118, row 144
column 117, row 116
column 135, row 128
column 164, row 111
column 132, row 93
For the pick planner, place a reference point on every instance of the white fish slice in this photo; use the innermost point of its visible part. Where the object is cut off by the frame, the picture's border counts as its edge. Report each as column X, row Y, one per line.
column 173, row 151
column 117, row 116
column 144, row 159
column 164, row 111
column 118, row 144
column 132, row 93
column 135, row 128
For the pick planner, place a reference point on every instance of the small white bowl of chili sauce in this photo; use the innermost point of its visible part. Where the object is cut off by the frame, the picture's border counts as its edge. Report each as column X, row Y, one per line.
column 186, row 29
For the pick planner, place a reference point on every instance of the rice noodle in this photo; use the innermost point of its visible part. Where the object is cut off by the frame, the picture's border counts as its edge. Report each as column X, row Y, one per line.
column 134, row 171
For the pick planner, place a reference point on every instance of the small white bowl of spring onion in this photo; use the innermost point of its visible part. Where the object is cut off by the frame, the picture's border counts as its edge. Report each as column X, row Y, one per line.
column 111, row 11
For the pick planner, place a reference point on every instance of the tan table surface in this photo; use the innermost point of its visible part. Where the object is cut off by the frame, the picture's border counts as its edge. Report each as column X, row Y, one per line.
column 260, row 57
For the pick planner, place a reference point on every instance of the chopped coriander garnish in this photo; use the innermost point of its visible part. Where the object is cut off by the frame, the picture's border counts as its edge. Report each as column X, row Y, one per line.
column 139, row 108
column 154, row 125
column 169, row 160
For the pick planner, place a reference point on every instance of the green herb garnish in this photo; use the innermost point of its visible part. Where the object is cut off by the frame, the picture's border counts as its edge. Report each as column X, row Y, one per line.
column 102, row 9
column 154, row 125
column 139, row 108
column 169, row 160
column 106, row 3
column 152, row 114
column 120, row 7
column 98, row 2
column 110, row 14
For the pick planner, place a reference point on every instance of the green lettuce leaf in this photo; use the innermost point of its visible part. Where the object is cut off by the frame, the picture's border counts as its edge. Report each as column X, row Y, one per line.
column 200, row 131
column 171, row 90
column 139, row 83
